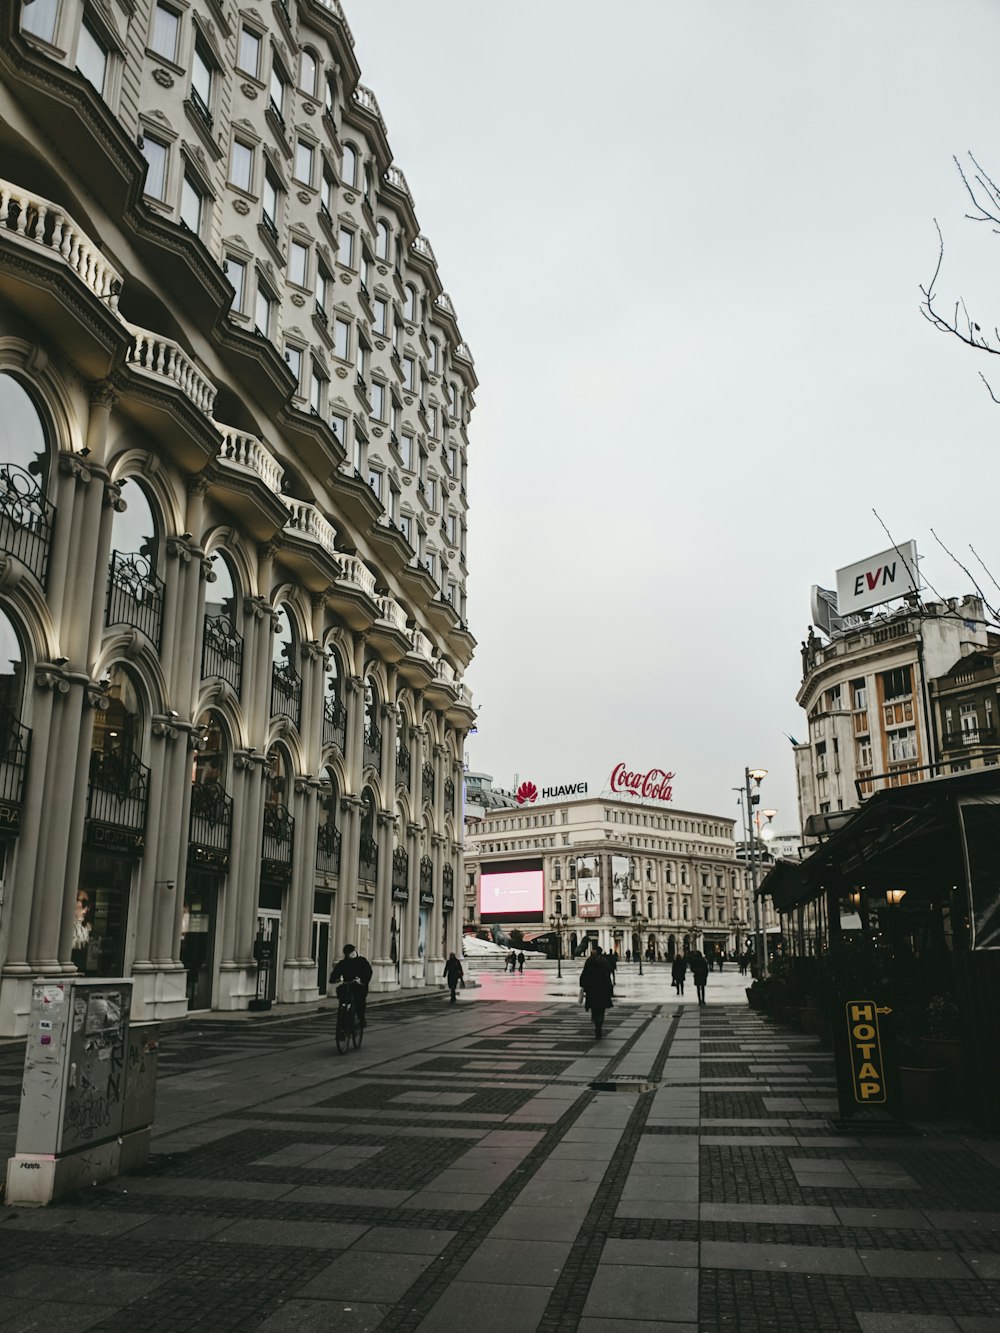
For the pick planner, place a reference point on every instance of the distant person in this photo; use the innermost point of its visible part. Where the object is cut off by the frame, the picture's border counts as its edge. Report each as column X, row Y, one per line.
column 611, row 963
column 454, row 973
column 699, row 974
column 720, row 958
column 677, row 971
column 595, row 982
column 511, row 962
column 520, row 962
column 628, row 955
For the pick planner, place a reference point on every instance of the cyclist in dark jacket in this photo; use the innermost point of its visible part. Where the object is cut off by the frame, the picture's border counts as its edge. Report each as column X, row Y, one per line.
column 354, row 967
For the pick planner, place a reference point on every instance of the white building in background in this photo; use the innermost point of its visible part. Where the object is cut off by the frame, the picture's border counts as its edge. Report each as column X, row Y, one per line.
column 602, row 858
column 234, row 408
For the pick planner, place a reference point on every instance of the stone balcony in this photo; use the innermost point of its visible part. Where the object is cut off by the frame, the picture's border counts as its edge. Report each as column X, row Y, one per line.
column 161, row 359
column 309, row 544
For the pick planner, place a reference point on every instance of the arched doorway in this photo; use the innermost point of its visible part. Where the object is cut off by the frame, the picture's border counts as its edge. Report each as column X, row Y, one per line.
column 209, row 841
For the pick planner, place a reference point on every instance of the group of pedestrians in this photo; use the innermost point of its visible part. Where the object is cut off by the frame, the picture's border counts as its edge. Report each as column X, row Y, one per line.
column 514, row 962
column 695, row 963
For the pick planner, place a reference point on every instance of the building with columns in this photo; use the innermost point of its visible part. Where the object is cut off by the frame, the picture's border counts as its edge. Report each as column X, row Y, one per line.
column 234, row 402
column 606, row 860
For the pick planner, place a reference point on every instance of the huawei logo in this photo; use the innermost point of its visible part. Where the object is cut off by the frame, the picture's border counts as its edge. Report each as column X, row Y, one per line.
column 527, row 792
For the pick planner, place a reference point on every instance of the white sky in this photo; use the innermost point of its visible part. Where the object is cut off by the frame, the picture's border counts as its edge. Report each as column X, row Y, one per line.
column 684, row 239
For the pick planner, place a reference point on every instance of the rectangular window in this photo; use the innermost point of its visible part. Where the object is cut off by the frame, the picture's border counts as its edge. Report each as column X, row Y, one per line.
column 191, row 203
column 293, row 355
column 864, row 752
column 317, row 390
column 902, row 745
column 431, row 491
column 409, row 374
column 338, row 425
column 833, row 699
column 432, row 422
column 452, row 456
column 304, row 156
column 450, row 528
column 406, row 527
column 39, row 18
column 298, row 263
column 345, row 248
column 201, row 84
column 92, row 57
column 263, row 311
column 897, row 683
column 277, row 91
column 249, row 57
column 393, row 503
column 241, row 166
column 375, row 482
column 156, row 155
column 378, row 400
column 236, row 272
column 269, row 203
column 406, row 450
column 342, row 339
column 166, row 23
column 381, row 316
column 430, row 564
column 326, row 194
column 859, row 693
column 322, row 291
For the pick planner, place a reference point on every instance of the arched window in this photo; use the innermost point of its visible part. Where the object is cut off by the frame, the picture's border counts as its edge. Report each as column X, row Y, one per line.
column 279, row 826
column 369, row 186
column 135, row 590
column 118, row 729
column 383, row 236
column 410, row 309
column 286, row 683
column 11, row 670
column 571, row 870
column 373, row 731
column 557, row 871
column 307, row 72
column 334, row 707
column 572, row 907
column 327, row 832
column 119, row 781
column 210, row 828
column 26, row 516
column 222, row 644
column 349, row 165
column 367, row 846
column 433, row 360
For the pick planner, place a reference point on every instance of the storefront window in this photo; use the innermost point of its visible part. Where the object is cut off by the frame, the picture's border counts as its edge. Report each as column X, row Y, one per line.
column 101, row 915
column 118, row 730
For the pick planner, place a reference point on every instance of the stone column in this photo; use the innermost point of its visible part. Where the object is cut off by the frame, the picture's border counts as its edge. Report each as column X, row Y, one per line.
column 410, row 974
column 347, row 879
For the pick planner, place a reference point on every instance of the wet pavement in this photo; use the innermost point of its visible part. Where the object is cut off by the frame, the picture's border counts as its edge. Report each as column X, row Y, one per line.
column 460, row 1170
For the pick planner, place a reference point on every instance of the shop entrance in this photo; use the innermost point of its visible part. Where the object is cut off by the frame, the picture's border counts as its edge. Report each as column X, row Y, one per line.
column 198, row 937
column 267, row 945
column 322, row 913
column 102, row 901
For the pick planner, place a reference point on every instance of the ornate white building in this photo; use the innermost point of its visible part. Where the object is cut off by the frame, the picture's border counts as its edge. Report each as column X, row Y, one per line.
column 233, row 410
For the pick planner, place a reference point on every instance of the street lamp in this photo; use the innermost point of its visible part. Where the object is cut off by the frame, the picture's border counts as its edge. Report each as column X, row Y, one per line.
column 638, row 921
column 753, row 778
column 556, row 921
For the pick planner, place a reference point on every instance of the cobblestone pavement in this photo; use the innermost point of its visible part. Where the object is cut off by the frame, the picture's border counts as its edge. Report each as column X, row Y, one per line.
column 461, row 1171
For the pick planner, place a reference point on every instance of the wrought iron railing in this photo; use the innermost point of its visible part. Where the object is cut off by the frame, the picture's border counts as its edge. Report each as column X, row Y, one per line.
column 135, row 595
column 403, row 763
column 426, row 880
column 448, row 887
column 335, row 722
column 427, row 783
column 278, row 841
column 449, row 793
column 368, row 859
column 286, row 691
column 963, row 740
column 222, row 651
column 211, row 822
column 15, row 749
column 373, row 746
column 119, row 790
column 26, row 519
column 328, row 840
column 400, row 874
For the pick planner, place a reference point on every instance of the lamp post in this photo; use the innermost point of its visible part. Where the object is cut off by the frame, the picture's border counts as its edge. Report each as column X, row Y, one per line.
column 753, row 778
column 638, row 921
column 556, row 921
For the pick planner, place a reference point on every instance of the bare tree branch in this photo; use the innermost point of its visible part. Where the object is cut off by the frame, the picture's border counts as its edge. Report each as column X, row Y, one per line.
column 992, row 609
column 987, row 570
column 988, row 389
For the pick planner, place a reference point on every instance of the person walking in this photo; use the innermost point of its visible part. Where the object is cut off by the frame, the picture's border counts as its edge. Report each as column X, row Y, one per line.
column 611, row 962
column 520, row 962
column 511, row 962
column 699, row 974
column 453, row 972
column 595, row 982
column 677, row 971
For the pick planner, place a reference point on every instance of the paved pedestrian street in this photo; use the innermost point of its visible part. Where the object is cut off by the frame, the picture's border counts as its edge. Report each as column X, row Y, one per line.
column 462, row 1171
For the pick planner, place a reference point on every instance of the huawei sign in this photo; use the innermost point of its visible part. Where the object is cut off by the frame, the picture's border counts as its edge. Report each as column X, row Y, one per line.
column 527, row 793
column 656, row 785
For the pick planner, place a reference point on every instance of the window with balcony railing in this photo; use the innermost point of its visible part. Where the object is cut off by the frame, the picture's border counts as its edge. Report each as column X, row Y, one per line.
column 400, row 874
column 211, row 821
column 334, row 722
column 328, row 842
column 286, row 691
column 222, row 651
column 402, row 763
column 119, row 790
column 135, row 595
column 427, row 783
column 368, row 859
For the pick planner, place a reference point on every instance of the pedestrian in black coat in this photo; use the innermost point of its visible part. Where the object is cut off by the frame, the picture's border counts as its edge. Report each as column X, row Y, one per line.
column 454, row 973
column 677, row 971
column 595, row 982
column 611, row 963
column 699, row 974
column 520, row 962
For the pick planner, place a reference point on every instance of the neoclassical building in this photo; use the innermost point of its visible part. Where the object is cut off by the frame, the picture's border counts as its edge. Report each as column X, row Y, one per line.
column 234, row 402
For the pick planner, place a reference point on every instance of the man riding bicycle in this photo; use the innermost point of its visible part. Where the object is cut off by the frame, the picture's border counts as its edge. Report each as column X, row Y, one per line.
column 355, row 970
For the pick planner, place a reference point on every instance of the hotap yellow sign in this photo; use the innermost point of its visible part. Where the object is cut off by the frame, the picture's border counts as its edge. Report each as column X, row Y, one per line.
column 867, row 1064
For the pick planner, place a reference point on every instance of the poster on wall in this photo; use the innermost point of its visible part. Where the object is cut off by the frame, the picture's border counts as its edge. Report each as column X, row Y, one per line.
column 588, row 886
column 621, row 886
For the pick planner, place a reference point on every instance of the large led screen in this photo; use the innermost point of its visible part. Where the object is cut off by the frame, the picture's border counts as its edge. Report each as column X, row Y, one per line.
column 511, row 891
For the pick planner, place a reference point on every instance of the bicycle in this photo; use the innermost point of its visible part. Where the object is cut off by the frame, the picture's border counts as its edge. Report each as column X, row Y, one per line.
column 350, row 1024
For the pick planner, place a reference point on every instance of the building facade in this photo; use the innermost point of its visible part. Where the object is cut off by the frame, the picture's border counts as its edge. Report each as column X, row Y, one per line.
column 234, row 403
column 606, row 861
column 867, row 695
column 966, row 701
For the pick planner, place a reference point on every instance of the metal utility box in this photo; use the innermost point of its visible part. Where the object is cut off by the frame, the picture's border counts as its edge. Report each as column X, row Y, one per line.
column 88, row 1089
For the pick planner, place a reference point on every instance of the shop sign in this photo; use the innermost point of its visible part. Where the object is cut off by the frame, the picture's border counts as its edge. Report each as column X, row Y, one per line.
column 447, row 902
column 878, row 579
column 527, row 792
column 10, row 817
column 426, row 897
column 589, row 910
column 207, row 858
column 400, row 894
column 865, row 1042
column 654, row 785
column 114, row 839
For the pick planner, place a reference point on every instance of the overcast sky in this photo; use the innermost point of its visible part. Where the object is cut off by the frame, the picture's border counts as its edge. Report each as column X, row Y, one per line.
column 685, row 239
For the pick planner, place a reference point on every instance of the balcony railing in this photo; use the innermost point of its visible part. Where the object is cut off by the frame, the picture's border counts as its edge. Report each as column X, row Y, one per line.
column 118, row 798
column 368, row 859
column 427, row 783
column 286, row 692
column 960, row 740
column 162, row 359
column 15, row 749
column 400, row 875
column 426, row 881
column 373, row 746
column 278, row 841
column 26, row 519
column 449, row 793
column 38, row 223
column 335, row 722
column 135, row 595
column 222, row 651
column 249, row 452
column 328, row 840
column 354, row 571
column 447, row 888
column 210, row 829
column 393, row 613
column 403, row 764
column 306, row 519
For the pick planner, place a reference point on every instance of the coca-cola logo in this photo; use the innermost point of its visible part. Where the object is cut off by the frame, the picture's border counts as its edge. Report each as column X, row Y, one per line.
column 527, row 793
column 656, row 785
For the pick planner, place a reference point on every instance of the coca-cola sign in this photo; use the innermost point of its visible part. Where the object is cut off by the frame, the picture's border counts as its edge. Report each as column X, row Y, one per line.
column 654, row 785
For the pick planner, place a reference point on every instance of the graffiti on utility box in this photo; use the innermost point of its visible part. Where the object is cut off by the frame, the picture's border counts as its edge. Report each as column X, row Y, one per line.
column 867, row 1063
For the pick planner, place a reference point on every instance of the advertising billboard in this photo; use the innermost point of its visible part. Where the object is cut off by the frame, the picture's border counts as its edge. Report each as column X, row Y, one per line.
column 621, row 886
column 588, row 886
column 511, row 891
column 878, row 579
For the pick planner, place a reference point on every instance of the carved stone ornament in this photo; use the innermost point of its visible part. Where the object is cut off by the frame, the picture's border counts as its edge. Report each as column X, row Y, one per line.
column 304, row 197
column 380, row 344
column 113, row 497
column 164, row 79
column 52, row 680
column 309, row 108
column 346, row 279
column 377, row 431
column 103, row 394
column 341, row 373
column 408, row 401
column 72, row 465
column 298, row 299
column 382, row 268
column 178, row 549
column 257, row 607
column 248, row 91
column 349, row 198
column 241, row 206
